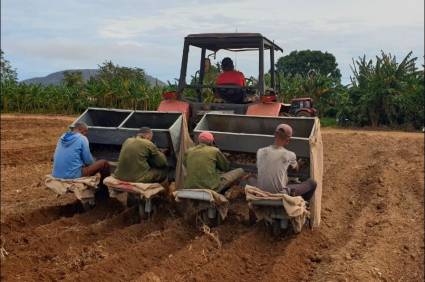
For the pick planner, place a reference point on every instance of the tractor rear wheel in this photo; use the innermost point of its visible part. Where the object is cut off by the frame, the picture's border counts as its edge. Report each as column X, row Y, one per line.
column 285, row 114
column 303, row 114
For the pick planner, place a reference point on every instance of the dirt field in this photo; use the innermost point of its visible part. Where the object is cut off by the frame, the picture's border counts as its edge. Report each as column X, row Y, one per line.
column 372, row 226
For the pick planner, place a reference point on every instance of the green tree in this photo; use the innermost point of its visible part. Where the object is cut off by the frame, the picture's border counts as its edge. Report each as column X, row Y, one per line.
column 385, row 92
column 73, row 78
column 114, row 87
column 304, row 61
column 124, row 87
column 323, row 89
column 8, row 74
column 210, row 75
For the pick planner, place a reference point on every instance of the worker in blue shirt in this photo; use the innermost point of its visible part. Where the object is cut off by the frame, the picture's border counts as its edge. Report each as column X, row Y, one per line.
column 72, row 158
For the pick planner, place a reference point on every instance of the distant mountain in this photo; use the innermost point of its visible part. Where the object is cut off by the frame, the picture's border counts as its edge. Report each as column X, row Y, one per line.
column 57, row 77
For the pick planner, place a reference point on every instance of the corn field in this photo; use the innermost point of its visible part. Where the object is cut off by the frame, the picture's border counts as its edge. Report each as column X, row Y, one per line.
column 383, row 92
column 114, row 87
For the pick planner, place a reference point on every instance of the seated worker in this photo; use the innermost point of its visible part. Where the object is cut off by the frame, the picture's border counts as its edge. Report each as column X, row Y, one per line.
column 204, row 163
column 140, row 160
column 230, row 77
column 72, row 158
column 274, row 161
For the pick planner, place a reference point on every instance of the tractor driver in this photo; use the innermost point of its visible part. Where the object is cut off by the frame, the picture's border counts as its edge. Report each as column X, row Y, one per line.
column 273, row 163
column 230, row 76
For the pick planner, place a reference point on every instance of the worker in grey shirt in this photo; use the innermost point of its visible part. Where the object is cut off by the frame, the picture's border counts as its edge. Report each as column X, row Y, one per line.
column 273, row 163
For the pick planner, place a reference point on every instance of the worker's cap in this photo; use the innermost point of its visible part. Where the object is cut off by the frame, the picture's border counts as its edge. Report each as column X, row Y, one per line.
column 206, row 137
column 284, row 128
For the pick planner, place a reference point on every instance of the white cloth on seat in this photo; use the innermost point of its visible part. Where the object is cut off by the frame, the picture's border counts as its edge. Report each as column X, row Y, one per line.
column 295, row 207
column 83, row 187
column 218, row 200
column 145, row 190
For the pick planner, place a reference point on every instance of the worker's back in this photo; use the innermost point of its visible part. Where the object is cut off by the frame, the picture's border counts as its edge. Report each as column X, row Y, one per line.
column 231, row 78
column 203, row 163
column 71, row 155
column 137, row 156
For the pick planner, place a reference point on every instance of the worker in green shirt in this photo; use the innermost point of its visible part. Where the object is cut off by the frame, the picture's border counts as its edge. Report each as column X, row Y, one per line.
column 204, row 166
column 140, row 160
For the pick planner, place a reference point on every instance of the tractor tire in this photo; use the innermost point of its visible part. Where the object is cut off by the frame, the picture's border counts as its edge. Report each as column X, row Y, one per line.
column 285, row 114
column 303, row 114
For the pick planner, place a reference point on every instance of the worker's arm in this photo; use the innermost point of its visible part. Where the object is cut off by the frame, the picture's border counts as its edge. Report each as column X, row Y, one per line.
column 293, row 164
column 222, row 163
column 85, row 152
column 157, row 158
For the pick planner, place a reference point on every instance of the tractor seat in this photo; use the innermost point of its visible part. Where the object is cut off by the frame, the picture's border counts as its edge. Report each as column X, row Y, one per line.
column 231, row 94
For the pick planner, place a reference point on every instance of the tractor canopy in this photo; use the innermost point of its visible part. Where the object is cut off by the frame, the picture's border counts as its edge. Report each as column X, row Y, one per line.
column 235, row 42
column 230, row 41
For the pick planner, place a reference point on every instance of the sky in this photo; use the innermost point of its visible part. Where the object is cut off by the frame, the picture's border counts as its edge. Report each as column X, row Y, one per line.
column 43, row 36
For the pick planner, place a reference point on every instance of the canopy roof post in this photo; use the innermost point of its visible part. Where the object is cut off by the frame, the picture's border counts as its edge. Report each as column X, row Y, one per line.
column 183, row 69
column 272, row 75
column 261, row 68
column 201, row 73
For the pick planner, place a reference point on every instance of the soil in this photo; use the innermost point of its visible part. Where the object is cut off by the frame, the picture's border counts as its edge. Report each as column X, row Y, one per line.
column 372, row 221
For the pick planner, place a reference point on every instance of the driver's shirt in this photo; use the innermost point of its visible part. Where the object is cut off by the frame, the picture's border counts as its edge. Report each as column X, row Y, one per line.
column 231, row 78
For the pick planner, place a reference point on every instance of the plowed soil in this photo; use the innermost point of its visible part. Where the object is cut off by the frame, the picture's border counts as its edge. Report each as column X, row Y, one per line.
column 372, row 221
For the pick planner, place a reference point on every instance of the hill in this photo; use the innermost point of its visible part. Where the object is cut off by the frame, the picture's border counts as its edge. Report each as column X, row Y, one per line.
column 57, row 77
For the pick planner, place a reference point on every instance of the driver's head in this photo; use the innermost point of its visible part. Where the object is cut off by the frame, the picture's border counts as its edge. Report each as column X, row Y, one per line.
column 227, row 64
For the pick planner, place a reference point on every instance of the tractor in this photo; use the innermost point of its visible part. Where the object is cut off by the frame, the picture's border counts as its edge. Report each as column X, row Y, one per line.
column 239, row 129
column 262, row 100
column 299, row 107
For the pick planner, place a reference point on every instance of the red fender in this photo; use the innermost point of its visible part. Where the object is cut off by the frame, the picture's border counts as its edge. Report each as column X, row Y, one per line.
column 171, row 104
column 264, row 109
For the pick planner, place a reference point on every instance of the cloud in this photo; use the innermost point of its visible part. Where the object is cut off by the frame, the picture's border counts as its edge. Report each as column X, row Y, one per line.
column 69, row 50
column 273, row 16
column 64, row 34
column 57, row 54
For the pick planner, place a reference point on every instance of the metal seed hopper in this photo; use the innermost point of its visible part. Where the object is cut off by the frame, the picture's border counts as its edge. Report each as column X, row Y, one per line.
column 109, row 128
column 246, row 134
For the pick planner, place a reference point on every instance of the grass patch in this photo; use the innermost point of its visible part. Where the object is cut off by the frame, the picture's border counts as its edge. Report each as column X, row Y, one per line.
column 328, row 121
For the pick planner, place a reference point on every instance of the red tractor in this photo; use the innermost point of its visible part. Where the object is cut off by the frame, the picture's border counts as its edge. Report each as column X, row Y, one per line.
column 299, row 107
column 265, row 103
